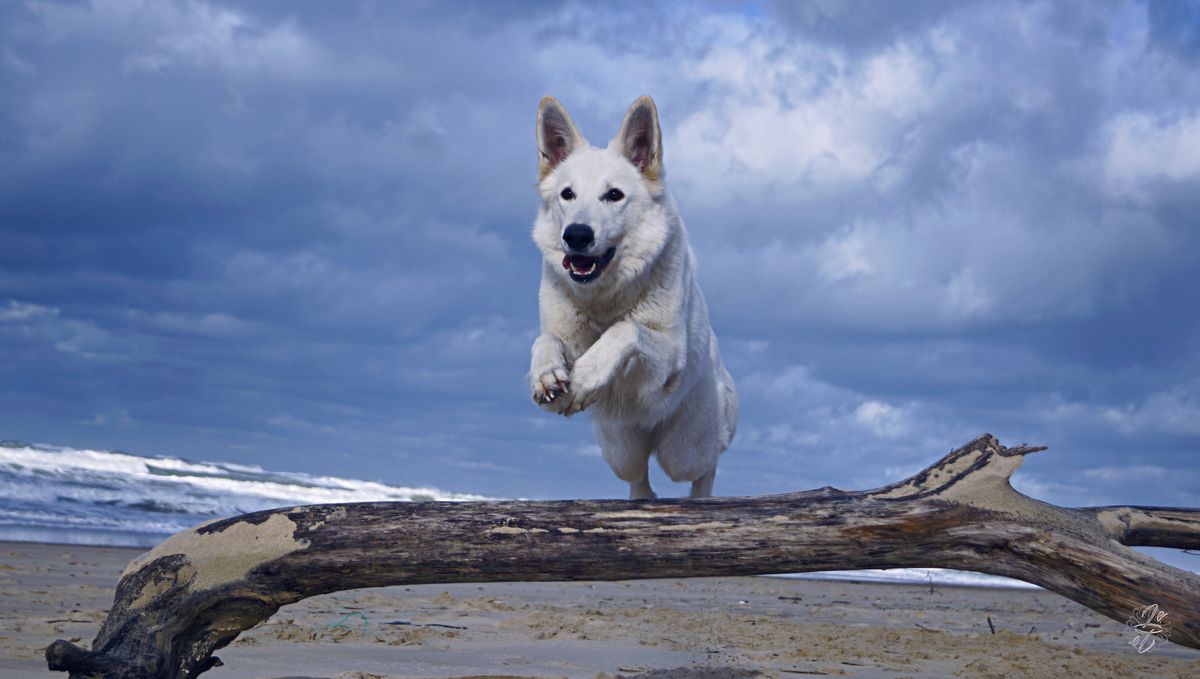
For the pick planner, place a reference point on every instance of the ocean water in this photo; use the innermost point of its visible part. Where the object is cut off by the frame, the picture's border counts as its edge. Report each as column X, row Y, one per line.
column 107, row 497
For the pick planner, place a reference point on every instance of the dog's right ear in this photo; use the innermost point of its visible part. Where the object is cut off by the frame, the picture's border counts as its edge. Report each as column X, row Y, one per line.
column 557, row 136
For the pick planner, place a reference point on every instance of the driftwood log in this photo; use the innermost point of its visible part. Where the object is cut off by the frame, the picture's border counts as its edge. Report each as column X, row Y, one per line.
column 199, row 589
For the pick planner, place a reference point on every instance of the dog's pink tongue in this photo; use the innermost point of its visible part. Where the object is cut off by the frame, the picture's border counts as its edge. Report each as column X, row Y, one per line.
column 567, row 262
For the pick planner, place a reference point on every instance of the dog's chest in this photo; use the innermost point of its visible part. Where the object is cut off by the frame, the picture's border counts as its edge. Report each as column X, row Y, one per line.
column 587, row 331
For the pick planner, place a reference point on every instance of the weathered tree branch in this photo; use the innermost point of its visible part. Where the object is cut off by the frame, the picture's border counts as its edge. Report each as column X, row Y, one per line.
column 199, row 589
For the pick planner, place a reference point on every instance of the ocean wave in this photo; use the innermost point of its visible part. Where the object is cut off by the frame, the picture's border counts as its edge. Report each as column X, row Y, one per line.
column 125, row 498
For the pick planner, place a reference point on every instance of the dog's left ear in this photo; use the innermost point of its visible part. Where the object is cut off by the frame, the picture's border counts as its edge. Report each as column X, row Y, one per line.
column 640, row 140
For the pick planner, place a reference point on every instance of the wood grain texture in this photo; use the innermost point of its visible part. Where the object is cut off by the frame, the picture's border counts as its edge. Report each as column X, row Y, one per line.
column 198, row 590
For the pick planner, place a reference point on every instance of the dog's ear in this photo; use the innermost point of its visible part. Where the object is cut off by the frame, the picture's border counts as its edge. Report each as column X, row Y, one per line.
column 557, row 136
column 640, row 139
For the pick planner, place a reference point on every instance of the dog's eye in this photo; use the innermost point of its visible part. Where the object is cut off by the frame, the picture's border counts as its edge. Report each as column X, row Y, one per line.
column 613, row 195
column 567, row 194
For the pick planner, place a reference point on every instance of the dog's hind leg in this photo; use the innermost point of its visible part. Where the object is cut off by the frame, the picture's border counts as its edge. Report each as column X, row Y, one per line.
column 689, row 448
column 627, row 451
column 690, row 460
column 641, row 490
column 702, row 487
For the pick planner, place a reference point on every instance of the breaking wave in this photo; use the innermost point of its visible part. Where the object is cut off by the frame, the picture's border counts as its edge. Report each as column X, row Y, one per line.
column 99, row 497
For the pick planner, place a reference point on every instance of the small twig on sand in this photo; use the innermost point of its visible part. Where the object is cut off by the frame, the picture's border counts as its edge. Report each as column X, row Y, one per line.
column 422, row 624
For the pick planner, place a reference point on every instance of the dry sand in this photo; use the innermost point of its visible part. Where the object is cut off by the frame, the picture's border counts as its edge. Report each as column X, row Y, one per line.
column 705, row 628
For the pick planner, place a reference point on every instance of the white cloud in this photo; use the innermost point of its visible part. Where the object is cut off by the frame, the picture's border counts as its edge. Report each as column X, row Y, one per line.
column 844, row 255
column 479, row 340
column 883, row 420
column 20, row 312
column 799, row 416
column 1134, row 482
column 794, row 385
column 992, row 212
column 1146, row 147
column 966, row 297
column 900, row 81
column 24, row 321
column 785, row 113
column 1172, row 411
column 1133, row 473
column 162, row 35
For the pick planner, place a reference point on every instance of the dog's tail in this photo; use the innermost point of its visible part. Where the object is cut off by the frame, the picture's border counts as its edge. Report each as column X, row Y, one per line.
column 730, row 397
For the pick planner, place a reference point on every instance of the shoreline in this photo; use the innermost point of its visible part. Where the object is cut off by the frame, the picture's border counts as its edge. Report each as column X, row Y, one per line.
column 661, row 629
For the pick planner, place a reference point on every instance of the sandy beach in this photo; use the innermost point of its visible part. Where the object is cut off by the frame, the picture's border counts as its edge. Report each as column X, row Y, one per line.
column 652, row 629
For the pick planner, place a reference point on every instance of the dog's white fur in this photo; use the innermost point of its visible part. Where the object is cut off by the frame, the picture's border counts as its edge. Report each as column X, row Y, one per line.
column 634, row 346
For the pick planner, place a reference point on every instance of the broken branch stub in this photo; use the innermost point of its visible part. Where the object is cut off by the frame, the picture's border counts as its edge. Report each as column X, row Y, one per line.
column 195, row 592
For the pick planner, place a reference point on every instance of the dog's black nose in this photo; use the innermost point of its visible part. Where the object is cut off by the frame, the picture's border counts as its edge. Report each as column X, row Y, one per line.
column 578, row 237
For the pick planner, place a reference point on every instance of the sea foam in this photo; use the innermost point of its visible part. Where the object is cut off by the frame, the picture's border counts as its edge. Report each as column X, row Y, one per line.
column 53, row 494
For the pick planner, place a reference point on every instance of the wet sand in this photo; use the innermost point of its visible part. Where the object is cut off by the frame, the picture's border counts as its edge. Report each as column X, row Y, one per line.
column 703, row 628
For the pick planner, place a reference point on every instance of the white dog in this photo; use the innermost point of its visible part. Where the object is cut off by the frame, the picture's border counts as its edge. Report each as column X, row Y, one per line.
column 625, row 330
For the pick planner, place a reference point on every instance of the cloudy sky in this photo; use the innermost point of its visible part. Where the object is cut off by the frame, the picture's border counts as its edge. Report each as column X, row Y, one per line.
column 297, row 234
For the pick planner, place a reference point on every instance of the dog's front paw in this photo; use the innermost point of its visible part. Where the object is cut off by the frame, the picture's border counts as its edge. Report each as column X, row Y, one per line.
column 551, row 389
column 585, row 389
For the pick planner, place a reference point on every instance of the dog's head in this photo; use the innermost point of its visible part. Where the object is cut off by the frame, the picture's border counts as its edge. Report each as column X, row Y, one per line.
column 593, row 200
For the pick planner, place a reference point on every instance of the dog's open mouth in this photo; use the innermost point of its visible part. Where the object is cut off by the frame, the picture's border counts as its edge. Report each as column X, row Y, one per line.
column 584, row 269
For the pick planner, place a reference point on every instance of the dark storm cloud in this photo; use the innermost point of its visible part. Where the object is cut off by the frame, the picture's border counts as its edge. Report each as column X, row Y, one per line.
column 982, row 242
column 297, row 234
column 211, row 206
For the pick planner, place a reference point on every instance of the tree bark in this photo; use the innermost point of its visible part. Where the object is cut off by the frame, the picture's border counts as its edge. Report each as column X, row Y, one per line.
column 199, row 589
